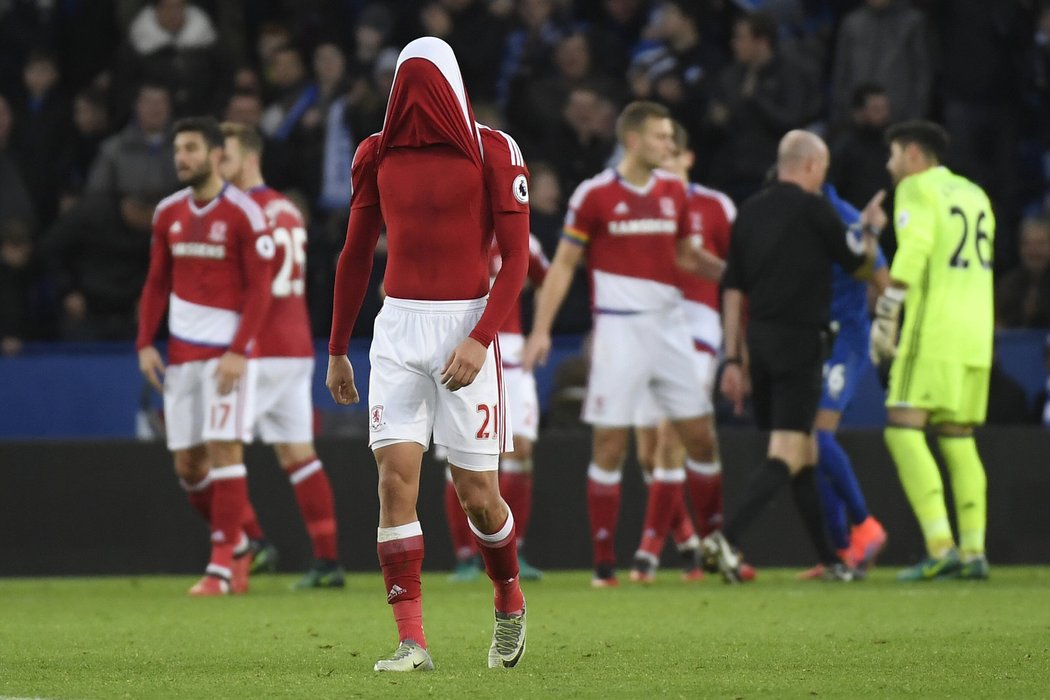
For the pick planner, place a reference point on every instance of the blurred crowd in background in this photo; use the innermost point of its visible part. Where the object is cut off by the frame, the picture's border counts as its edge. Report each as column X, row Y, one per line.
column 89, row 90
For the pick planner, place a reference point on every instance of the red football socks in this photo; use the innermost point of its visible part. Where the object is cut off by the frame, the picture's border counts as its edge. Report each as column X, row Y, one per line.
column 400, row 551
column 313, row 493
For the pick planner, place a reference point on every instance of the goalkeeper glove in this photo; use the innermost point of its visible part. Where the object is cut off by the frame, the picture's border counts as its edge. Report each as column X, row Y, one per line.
column 883, row 341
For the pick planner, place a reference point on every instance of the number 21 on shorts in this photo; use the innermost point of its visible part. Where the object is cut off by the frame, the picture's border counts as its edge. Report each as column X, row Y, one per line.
column 489, row 422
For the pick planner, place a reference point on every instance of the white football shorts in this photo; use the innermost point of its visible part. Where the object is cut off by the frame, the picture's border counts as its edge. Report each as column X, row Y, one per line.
column 411, row 343
column 195, row 413
column 637, row 354
column 521, row 388
column 706, row 331
column 284, row 400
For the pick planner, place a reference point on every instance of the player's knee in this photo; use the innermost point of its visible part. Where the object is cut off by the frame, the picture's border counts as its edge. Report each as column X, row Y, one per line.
column 700, row 445
column 394, row 488
column 610, row 446
column 225, row 453
column 191, row 465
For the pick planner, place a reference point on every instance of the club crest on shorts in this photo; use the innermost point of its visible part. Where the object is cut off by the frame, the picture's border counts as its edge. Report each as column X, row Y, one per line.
column 375, row 417
column 520, row 188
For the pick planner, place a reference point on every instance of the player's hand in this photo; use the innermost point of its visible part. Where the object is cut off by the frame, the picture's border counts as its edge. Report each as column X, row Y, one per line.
column 874, row 216
column 463, row 364
column 882, row 344
column 152, row 367
column 537, row 350
column 340, row 380
column 230, row 371
column 733, row 386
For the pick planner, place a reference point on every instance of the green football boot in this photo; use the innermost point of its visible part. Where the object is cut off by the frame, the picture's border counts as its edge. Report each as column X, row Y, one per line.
column 933, row 568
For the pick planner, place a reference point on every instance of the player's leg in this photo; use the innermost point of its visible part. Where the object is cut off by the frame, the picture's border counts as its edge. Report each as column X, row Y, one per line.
column 516, row 467
column 909, row 402
column 670, row 453
column 604, row 476
column 464, row 545
column 969, row 482
column 399, row 546
column 515, row 484
column 647, row 555
column 620, row 372
column 313, row 494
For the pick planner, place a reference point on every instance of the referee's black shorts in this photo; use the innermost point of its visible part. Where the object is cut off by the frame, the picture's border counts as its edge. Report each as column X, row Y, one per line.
column 787, row 363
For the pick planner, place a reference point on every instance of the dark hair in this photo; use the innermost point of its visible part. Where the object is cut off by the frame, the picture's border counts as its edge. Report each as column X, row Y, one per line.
column 94, row 97
column 930, row 137
column 762, row 26
column 152, row 85
column 42, row 55
column 687, row 8
column 249, row 138
column 208, row 127
column 862, row 92
column 635, row 114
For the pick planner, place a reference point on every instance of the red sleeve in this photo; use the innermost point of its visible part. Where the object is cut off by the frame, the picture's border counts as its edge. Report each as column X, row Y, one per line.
column 355, row 261
column 157, row 288
column 257, row 251
column 506, row 180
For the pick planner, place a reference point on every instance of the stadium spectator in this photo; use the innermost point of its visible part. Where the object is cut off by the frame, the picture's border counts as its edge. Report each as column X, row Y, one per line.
column 757, row 99
column 41, row 131
column 858, row 155
column 476, row 31
column 535, row 107
column 529, row 48
column 90, row 128
column 982, row 46
column 585, row 140
column 174, row 43
column 134, row 167
column 1022, row 295
column 324, row 145
column 884, row 42
column 15, row 201
column 618, row 24
column 18, row 283
column 371, row 34
column 434, row 370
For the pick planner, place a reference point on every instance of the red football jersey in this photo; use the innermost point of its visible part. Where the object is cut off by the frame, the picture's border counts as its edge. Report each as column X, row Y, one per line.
column 214, row 262
column 631, row 236
column 711, row 216
column 286, row 330
column 538, row 266
column 440, row 212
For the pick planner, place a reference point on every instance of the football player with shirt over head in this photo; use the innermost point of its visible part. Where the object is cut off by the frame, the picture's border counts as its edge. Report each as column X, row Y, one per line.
column 631, row 223
column 283, row 406
column 210, row 266
column 443, row 185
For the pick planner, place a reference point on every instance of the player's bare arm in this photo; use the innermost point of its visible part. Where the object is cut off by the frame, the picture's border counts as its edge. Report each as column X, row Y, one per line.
column 463, row 364
column 732, row 384
column 549, row 300
column 152, row 367
column 340, row 380
column 698, row 261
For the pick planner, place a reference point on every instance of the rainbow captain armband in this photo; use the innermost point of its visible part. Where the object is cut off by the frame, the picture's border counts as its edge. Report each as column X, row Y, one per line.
column 575, row 235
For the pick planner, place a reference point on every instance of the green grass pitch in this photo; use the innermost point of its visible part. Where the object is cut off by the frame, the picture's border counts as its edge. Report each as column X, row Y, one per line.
column 143, row 638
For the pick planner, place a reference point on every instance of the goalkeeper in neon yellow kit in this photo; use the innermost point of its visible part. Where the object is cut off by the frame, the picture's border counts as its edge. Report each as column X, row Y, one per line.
column 942, row 275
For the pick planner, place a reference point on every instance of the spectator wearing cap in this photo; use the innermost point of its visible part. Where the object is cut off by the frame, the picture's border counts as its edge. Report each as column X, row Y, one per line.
column 758, row 99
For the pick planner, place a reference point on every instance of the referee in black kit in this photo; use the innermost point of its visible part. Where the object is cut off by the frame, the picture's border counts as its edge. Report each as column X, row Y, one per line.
column 784, row 242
